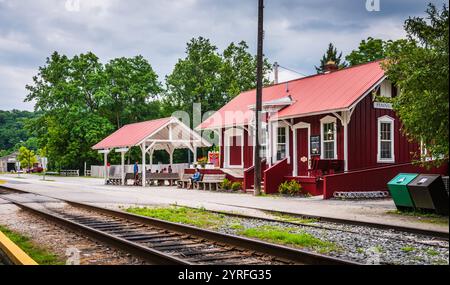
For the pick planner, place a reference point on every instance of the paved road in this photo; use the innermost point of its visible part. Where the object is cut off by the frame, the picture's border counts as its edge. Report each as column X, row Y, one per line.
column 92, row 190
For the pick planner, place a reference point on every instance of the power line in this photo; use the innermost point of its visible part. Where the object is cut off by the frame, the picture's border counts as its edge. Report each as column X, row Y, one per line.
column 291, row 70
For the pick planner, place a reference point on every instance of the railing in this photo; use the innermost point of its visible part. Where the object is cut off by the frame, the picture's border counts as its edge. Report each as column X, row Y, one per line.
column 115, row 170
column 72, row 173
column 275, row 175
column 374, row 179
column 249, row 175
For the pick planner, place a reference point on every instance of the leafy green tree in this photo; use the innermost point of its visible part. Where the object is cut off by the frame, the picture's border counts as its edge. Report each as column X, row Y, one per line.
column 419, row 67
column 368, row 50
column 12, row 131
column 131, row 83
column 208, row 77
column 26, row 157
column 82, row 101
column 196, row 79
column 238, row 70
column 331, row 55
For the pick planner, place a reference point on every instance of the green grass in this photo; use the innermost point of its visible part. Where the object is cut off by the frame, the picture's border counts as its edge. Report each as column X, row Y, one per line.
column 408, row 249
column 432, row 252
column 196, row 217
column 423, row 217
column 293, row 219
column 37, row 253
column 289, row 236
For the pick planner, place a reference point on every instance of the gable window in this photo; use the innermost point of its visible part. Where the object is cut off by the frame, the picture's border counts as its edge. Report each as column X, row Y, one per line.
column 281, row 143
column 386, row 139
column 328, row 130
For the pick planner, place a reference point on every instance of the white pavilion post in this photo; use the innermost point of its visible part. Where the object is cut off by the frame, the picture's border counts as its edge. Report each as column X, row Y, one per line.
column 122, row 165
column 105, row 158
column 143, row 163
column 195, row 153
column 171, row 156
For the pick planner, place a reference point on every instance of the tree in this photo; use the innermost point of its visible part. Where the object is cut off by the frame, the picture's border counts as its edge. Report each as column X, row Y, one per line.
column 80, row 101
column 419, row 66
column 369, row 50
column 196, row 79
column 12, row 131
column 131, row 83
column 238, row 70
column 331, row 55
column 208, row 77
column 26, row 157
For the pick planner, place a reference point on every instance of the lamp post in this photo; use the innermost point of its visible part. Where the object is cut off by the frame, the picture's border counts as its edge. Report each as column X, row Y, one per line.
column 259, row 81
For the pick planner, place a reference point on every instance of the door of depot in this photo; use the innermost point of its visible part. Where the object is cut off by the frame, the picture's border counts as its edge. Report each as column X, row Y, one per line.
column 302, row 151
column 235, row 150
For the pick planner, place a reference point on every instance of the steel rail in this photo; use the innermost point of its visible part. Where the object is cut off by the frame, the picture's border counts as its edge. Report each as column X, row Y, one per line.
column 295, row 256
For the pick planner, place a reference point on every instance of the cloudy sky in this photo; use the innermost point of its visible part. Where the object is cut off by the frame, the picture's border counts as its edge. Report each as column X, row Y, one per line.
column 297, row 32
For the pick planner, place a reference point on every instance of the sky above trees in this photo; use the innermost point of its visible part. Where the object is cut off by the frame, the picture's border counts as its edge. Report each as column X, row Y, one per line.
column 297, row 32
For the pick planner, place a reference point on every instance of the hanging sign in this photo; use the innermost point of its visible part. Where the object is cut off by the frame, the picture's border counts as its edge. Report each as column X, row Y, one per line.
column 382, row 105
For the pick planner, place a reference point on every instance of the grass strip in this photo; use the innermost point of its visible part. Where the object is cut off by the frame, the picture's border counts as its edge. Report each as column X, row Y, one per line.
column 291, row 237
column 37, row 253
column 195, row 217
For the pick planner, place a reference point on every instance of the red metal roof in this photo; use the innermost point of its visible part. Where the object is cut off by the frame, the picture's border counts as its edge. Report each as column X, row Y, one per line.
column 131, row 135
column 315, row 94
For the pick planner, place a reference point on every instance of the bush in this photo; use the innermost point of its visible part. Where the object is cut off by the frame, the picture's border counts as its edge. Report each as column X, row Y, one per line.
column 236, row 186
column 226, row 184
column 290, row 188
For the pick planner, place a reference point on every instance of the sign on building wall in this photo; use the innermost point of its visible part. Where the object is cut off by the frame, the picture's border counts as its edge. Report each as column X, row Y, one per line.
column 315, row 145
column 382, row 105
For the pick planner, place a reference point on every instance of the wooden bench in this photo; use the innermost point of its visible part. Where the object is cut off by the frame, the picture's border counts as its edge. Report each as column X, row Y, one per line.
column 115, row 180
column 211, row 180
column 130, row 176
column 161, row 178
column 184, row 181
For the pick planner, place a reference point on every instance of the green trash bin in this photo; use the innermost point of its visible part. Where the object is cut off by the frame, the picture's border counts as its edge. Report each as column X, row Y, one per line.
column 398, row 187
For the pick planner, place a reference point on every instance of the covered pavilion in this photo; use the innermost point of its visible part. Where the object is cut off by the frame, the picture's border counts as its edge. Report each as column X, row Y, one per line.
column 166, row 134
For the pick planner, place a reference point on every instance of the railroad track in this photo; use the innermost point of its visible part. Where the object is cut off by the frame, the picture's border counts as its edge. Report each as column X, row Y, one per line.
column 162, row 242
column 417, row 231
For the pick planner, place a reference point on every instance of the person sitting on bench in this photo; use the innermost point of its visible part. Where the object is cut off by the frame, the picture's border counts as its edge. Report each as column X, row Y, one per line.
column 196, row 177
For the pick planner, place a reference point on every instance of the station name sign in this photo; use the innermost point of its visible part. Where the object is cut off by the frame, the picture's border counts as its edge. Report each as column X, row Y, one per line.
column 382, row 105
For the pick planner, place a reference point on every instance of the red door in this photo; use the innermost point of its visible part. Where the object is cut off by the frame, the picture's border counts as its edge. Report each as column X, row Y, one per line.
column 235, row 151
column 302, row 152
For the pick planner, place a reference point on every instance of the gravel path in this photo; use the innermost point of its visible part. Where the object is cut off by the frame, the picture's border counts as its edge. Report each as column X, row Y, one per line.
column 361, row 244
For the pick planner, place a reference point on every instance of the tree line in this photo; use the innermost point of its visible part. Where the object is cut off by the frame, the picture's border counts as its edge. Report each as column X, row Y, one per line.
column 80, row 100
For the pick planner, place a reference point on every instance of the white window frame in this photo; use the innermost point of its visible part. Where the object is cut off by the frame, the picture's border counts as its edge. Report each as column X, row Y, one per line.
column 324, row 121
column 275, row 127
column 391, row 121
column 386, row 89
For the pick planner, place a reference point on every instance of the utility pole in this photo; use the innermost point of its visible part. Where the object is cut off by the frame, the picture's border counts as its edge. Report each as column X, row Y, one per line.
column 259, row 83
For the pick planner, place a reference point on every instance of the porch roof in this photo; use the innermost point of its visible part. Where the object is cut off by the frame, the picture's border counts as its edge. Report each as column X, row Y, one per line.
column 316, row 94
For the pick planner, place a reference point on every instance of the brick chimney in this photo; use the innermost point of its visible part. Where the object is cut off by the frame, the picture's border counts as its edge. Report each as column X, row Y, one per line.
column 331, row 66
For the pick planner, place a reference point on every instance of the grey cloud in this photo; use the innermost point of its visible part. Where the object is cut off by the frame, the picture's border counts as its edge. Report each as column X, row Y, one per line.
column 297, row 31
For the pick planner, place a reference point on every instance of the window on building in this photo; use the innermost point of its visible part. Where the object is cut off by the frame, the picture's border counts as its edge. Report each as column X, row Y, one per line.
column 263, row 140
column 281, row 143
column 329, row 140
column 386, row 139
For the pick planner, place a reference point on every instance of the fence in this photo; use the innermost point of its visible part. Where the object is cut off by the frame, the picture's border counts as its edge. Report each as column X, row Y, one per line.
column 114, row 170
column 69, row 173
column 374, row 179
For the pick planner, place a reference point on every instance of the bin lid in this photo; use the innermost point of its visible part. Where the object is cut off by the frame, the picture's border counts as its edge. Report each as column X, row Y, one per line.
column 424, row 180
column 403, row 179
